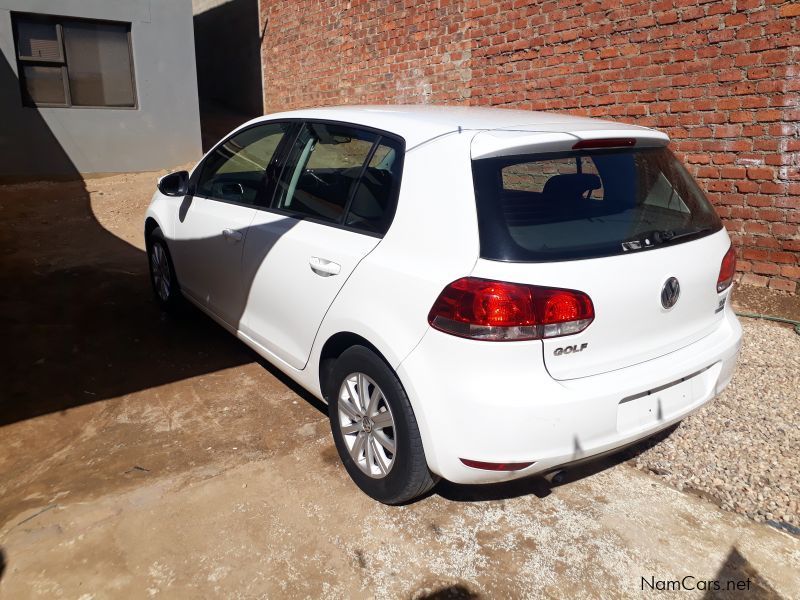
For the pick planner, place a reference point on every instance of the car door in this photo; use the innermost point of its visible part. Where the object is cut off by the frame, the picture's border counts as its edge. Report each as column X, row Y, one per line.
column 331, row 205
column 213, row 222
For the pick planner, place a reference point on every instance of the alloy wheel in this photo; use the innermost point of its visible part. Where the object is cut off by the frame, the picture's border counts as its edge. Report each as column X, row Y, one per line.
column 367, row 425
column 162, row 279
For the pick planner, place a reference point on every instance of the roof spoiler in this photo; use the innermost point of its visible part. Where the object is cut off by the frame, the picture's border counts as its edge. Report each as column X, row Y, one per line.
column 491, row 144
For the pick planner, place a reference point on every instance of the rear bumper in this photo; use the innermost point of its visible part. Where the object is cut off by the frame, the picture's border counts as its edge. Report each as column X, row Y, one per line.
column 495, row 402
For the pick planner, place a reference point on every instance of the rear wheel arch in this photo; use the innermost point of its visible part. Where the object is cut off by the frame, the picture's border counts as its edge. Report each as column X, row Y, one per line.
column 333, row 348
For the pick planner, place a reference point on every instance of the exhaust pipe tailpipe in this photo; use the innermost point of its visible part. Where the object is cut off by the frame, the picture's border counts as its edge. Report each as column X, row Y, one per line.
column 556, row 477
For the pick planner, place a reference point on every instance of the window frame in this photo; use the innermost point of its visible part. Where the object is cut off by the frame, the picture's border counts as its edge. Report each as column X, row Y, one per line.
column 58, row 22
column 264, row 196
column 271, row 190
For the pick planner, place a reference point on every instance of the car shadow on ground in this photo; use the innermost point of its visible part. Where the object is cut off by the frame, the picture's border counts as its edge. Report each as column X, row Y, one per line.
column 300, row 391
column 542, row 486
column 450, row 592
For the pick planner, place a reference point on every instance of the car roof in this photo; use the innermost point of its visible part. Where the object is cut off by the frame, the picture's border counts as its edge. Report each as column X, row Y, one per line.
column 419, row 123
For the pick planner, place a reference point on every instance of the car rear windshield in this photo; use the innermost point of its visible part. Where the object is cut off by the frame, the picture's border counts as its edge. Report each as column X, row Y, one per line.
column 586, row 204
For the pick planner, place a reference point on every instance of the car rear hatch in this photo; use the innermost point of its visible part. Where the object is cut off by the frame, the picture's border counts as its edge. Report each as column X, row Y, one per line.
column 617, row 218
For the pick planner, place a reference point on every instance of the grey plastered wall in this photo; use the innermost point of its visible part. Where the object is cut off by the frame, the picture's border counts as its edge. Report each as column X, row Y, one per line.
column 163, row 131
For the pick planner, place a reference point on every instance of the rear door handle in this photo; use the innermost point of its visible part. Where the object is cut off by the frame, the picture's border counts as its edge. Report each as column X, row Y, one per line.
column 324, row 267
column 232, row 235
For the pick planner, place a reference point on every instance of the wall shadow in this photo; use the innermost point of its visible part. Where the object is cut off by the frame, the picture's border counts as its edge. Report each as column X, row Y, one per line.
column 227, row 44
column 77, row 317
column 76, row 302
column 23, row 128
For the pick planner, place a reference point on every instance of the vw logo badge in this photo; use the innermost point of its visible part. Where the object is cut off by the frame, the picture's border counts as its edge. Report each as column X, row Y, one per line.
column 670, row 292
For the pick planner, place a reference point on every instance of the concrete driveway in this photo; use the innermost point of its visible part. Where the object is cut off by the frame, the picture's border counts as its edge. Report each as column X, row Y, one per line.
column 144, row 457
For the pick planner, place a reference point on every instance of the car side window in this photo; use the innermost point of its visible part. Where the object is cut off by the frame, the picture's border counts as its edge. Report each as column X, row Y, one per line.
column 324, row 166
column 342, row 175
column 234, row 171
column 372, row 206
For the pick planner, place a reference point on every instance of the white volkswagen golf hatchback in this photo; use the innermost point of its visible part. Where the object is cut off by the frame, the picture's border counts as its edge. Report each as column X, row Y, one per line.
column 477, row 294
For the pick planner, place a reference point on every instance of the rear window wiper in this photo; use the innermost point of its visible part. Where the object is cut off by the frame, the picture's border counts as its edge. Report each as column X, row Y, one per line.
column 657, row 237
column 676, row 236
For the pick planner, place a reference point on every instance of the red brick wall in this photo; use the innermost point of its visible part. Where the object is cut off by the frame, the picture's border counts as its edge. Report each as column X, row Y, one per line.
column 721, row 77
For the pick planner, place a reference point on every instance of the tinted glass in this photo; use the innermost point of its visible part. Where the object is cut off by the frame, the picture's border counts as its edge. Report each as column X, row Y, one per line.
column 43, row 85
column 235, row 169
column 324, row 166
column 587, row 204
column 38, row 40
column 99, row 64
column 533, row 176
column 373, row 203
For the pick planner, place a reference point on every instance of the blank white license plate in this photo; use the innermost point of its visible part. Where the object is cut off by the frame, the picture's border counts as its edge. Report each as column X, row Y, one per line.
column 647, row 410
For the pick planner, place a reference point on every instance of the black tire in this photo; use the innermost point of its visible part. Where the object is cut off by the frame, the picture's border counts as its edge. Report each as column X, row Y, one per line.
column 172, row 301
column 409, row 476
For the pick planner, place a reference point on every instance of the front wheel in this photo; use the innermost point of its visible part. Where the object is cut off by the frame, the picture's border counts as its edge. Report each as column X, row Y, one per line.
column 375, row 430
column 162, row 273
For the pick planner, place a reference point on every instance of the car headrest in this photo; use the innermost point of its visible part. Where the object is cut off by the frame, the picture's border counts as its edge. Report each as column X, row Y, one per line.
column 571, row 186
column 372, row 194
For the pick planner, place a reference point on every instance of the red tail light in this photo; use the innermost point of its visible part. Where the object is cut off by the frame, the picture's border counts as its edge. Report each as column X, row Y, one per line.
column 482, row 309
column 726, row 270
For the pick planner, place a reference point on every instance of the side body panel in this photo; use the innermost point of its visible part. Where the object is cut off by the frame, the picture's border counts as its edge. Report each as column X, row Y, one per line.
column 287, row 298
column 433, row 240
column 163, row 210
column 206, row 248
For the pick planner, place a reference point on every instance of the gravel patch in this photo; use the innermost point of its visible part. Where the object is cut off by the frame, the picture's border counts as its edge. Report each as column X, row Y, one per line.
column 742, row 450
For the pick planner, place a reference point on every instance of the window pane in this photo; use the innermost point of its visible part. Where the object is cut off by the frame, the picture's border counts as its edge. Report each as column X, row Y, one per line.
column 99, row 65
column 43, row 85
column 616, row 201
column 234, row 170
column 373, row 203
column 532, row 176
column 323, row 167
column 37, row 40
column 536, row 176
